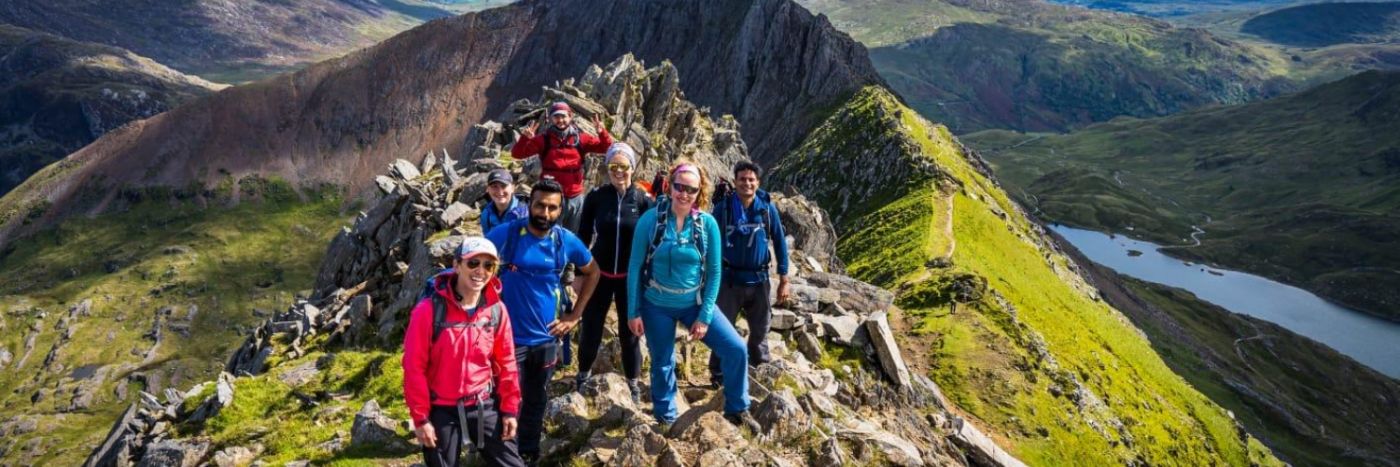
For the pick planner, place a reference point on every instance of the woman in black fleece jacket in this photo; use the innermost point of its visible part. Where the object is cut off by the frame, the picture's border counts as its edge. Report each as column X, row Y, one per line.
column 609, row 218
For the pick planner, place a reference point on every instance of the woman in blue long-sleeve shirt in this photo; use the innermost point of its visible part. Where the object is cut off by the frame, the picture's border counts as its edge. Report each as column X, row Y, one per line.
column 674, row 276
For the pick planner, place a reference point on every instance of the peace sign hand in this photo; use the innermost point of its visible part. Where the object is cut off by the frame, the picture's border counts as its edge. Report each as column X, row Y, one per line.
column 529, row 130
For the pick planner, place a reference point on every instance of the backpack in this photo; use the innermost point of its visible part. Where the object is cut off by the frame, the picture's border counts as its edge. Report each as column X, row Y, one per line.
column 658, row 234
column 517, row 227
column 570, row 137
column 440, row 317
column 725, row 216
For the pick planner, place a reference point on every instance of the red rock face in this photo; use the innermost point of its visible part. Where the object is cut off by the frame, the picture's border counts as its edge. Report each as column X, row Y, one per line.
column 771, row 63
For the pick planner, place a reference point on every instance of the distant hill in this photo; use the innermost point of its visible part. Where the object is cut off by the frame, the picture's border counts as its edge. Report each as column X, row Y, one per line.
column 1176, row 8
column 58, row 95
column 228, row 40
column 1034, row 66
column 1327, row 24
column 1304, row 188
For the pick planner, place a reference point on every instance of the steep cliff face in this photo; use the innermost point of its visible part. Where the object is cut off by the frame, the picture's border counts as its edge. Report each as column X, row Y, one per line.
column 991, row 310
column 770, row 63
column 58, row 95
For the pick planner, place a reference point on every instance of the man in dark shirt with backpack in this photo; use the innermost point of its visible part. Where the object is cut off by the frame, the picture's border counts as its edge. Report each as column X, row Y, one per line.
column 749, row 223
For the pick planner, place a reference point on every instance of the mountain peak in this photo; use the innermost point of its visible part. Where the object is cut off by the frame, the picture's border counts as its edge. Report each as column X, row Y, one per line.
column 770, row 63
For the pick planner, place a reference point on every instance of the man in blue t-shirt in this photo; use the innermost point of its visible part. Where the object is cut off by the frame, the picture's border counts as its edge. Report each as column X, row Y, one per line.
column 534, row 253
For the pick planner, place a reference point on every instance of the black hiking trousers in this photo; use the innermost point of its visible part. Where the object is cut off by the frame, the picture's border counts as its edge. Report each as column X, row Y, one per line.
column 752, row 299
column 609, row 291
column 447, row 425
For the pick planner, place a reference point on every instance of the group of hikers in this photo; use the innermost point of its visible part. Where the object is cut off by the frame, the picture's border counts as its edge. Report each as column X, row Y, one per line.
column 482, row 345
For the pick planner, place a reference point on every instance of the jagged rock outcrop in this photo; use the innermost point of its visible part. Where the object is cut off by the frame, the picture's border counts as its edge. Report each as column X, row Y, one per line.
column 770, row 63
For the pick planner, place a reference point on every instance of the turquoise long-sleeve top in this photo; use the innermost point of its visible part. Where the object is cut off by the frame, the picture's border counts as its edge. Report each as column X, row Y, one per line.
column 675, row 266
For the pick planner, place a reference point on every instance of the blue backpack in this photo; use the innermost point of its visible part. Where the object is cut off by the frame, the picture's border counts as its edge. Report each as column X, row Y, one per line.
column 757, row 231
column 658, row 234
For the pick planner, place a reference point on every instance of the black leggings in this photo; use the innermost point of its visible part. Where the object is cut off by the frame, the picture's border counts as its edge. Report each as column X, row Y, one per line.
column 609, row 291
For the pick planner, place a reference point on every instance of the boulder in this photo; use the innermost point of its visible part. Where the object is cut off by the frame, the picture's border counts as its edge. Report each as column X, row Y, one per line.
column 874, row 442
column 454, row 214
column 385, row 184
column 712, row 432
column 784, row 320
column 237, row 456
column 404, row 170
column 373, row 428
column 839, row 329
column 569, row 412
column 980, row 448
column 854, row 294
column 886, row 349
column 113, row 451
column 808, row 345
column 781, row 416
column 719, row 457
column 174, row 453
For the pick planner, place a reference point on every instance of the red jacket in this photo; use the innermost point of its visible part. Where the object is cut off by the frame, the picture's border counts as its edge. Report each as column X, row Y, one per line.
column 564, row 160
column 465, row 361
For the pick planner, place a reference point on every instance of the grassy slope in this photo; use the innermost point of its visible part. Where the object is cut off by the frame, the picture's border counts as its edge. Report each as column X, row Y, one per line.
column 1303, row 188
column 226, row 261
column 984, row 353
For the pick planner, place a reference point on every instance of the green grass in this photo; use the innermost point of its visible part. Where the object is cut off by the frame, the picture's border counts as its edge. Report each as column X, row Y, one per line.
column 1302, row 188
column 265, row 410
column 166, row 252
column 984, row 353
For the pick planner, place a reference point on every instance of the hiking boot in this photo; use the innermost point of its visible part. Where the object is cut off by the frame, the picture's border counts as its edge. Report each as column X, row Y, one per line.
column 744, row 420
column 581, row 379
column 636, row 391
column 716, row 382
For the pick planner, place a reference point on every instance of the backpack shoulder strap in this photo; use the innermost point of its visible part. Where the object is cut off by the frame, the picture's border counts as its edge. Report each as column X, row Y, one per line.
column 439, row 315
column 508, row 252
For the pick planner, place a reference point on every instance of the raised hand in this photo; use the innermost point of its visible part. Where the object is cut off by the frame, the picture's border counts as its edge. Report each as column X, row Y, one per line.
column 529, row 130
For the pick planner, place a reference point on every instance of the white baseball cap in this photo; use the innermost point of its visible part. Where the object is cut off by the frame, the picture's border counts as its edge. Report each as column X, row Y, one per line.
column 472, row 246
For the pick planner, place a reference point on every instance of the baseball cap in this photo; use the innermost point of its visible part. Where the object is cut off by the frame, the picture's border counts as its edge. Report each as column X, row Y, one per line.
column 472, row 246
column 500, row 176
column 560, row 108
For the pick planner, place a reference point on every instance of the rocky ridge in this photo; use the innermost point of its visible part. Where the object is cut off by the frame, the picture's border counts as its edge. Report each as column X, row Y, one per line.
column 840, row 392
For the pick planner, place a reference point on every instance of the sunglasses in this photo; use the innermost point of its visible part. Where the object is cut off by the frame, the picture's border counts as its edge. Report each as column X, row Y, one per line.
column 619, row 167
column 475, row 263
column 687, row 189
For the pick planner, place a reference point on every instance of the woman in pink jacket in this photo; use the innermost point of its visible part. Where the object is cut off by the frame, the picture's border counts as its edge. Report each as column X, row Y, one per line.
column 460, row 379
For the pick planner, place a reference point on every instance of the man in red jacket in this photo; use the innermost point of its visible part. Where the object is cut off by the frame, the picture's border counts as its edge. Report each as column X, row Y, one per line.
column 561, row 147
column 459, row 364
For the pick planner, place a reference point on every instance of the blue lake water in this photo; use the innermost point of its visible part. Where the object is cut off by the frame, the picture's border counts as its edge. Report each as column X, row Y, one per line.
column 1372, row 341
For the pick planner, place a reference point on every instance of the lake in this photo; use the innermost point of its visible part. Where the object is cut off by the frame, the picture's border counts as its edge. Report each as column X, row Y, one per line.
column 1370, row 340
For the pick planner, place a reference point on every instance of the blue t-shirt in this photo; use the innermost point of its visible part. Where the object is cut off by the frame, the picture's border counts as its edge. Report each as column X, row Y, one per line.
column 530, row 287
